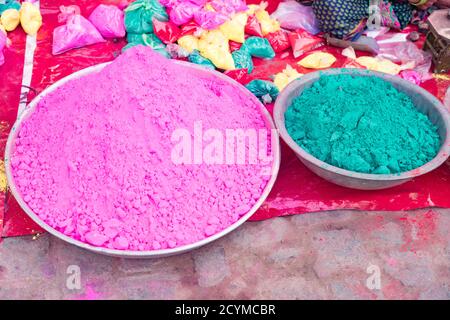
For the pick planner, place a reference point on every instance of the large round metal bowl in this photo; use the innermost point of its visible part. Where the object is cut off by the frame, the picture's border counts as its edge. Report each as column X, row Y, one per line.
column 423, row 100
column 130, row 253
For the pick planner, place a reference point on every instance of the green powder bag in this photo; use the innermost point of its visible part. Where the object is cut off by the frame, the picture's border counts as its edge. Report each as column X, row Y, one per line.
column 243, row 59
column 258, row 47
column 197, row 58
column 139, row 14
column 146, row 39
column 362, row 124
column 265, row 91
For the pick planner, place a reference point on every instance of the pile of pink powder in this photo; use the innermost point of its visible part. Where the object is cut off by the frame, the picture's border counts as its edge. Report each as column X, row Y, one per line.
column 94, row 159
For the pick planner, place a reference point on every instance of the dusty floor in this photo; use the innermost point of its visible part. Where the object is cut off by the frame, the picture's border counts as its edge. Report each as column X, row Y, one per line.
column 329, row 255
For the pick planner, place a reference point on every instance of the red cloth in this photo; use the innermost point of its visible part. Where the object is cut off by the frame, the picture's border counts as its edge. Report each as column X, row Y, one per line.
column 296, row 191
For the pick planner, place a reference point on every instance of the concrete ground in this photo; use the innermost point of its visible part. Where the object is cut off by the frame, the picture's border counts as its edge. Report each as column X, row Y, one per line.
column 328, row 255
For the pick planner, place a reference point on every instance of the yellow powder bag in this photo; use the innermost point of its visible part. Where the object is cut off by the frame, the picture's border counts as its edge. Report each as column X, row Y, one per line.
column 10, row 19
column 318, row 60
column 30, row 18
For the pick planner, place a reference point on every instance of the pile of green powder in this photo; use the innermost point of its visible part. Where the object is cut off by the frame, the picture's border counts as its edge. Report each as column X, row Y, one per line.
column 361, row 124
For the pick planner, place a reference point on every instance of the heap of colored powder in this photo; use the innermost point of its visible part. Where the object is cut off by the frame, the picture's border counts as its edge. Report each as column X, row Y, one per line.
column 361, row 124
column 94, row 159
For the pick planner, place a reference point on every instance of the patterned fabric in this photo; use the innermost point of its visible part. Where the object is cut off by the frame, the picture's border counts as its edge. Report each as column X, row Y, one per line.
column 346, row 19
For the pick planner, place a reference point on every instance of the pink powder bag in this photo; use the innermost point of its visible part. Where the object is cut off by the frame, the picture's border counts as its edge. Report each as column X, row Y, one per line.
column 76, row 33
column 109, row 21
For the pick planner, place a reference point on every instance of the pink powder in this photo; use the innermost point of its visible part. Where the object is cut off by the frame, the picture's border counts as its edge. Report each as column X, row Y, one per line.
column 94, row 159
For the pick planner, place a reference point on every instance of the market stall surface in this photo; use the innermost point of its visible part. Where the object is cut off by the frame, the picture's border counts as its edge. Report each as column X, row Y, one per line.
column 326, row 255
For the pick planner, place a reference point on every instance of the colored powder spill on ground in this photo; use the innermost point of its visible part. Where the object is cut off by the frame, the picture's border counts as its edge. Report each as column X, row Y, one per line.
column 94, row 159
column 361, row 124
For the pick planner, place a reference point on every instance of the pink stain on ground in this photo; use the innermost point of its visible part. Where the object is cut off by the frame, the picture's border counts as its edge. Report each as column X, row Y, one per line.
column 89, row 294
column 419, row 230
column 94, row 160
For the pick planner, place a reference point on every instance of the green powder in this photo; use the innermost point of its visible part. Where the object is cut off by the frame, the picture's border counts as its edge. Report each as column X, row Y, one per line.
column 361, row 124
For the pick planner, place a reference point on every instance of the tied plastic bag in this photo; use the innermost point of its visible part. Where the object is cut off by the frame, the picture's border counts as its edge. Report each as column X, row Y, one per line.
column 379, row 64
column 228, row 7
column 302, row 42
column 66, row 11
column 146, row 39
column 167, row 32
column 242, row 59
column 292, row 16
column 240, row 75
column 259, row 47
column 234, row 45
column 209, row 20
column 30, row 18
column 406, row 53
column 197, row 58
column 213, row 45
column 253, row 28
column 412, row 76
column 176, row 52
column 266, row 91
column 188, row 43
column 279, row 41
column 268, row 25
column 10, row 19
column 283, row 78
column 9, row 4
column 234, row 29
column 139, row 15
column 318, row 60
column 190, row 28
column 183, row 12
column 3, row 44
column 76, row 33
column 109, row 21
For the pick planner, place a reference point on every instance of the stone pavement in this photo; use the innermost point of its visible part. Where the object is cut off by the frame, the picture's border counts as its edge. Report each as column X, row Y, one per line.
column 327, row 255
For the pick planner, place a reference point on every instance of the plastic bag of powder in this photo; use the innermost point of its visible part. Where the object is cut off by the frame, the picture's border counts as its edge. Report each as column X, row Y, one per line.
column 266, row 91
column 268, row 25
column 279, row 40
column 3, row 42
column 292, row 16
column 139, row 15
column 240, row 75
column 253, row 27
column 183, row 12
column 76, row 33
column 213, row 45
column 167, row 32
column 197, row 58
column 243, row 59
column 66, row 11
column 30, row 18
column 234, row 45
column 234, row 29
column 188, row 43
column 109, row 21
column 228, row 7
column 209, row 20
column 259, row 47
column 302, row 42
column 146, row 39
column 10, row 19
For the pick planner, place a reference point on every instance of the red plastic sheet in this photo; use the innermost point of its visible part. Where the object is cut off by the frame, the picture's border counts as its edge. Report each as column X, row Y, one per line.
column 296, row 191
